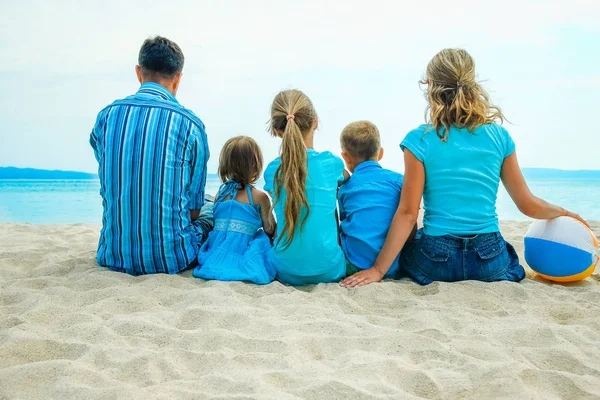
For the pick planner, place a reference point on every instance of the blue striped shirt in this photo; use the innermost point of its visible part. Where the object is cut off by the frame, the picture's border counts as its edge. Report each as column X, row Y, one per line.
column 152, row 155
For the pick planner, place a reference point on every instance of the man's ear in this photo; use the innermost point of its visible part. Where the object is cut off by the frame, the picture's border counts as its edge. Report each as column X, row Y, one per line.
column 176, row 82
column 380, row 156
column 138, row 72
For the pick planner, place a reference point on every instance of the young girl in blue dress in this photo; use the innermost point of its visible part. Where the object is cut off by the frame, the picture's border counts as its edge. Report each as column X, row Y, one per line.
column 238, row 247
column 456, row 162
column 304, row 184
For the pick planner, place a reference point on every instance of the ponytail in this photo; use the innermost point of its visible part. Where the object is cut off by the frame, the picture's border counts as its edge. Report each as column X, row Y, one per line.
column 292, row 116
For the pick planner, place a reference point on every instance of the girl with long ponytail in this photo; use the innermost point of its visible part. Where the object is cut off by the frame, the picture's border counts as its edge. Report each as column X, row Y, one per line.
column 303, row 184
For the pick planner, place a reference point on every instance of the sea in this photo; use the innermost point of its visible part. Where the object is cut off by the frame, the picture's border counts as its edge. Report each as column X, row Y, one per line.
column 78, row 201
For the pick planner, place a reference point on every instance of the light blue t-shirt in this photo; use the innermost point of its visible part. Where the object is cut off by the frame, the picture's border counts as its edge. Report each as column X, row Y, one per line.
column 368, row 202
column 315, row 249
column 461, row 177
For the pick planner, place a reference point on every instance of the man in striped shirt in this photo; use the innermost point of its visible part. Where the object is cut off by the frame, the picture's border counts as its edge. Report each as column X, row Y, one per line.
column 152, row 155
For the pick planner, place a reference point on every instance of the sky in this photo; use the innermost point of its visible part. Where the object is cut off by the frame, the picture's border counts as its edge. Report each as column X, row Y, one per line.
column 63, row 61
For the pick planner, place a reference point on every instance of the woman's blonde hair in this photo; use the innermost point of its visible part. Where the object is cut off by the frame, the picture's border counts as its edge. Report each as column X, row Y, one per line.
column 241, row 161
column 454, row 96
column 292, row 117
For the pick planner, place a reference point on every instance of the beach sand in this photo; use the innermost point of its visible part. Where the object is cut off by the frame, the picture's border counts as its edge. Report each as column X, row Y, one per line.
column 70, row 329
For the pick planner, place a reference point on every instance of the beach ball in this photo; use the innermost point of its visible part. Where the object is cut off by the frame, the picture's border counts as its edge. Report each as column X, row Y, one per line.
column 561, row 250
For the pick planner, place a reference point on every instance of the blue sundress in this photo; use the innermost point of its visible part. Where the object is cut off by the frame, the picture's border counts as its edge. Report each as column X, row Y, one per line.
column 237, row 249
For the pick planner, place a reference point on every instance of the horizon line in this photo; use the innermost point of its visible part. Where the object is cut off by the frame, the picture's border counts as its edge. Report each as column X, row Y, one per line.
column 215, row 173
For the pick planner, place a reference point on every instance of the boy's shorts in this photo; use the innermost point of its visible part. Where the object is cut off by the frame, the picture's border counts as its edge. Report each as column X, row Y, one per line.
column 351, row 269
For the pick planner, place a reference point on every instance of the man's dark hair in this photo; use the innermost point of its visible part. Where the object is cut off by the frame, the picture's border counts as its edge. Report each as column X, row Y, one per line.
column 160, row 56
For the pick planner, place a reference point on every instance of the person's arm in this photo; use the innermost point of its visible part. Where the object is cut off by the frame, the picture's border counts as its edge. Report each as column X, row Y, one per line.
column 415, row 228
column 199, row 159
column 402, row 226
column 96, row 134
column 94, row 144
column 528, row 204
column 266, row 214
column 346, row 175
column 195, row 214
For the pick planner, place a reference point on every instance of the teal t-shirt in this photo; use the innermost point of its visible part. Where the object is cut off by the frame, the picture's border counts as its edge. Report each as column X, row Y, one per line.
column 315, row 249
column 461, row 177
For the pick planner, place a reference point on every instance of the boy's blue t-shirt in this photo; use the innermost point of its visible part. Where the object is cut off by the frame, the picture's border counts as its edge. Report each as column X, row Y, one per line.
column 368, row 202
column 314, row 249
column 462, row 177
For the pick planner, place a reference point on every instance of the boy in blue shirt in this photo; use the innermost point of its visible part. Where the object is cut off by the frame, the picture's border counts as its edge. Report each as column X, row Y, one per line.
column 368, row 200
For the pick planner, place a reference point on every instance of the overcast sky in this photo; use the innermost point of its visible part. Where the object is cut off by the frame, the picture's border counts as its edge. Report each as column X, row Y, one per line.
column 63, row 61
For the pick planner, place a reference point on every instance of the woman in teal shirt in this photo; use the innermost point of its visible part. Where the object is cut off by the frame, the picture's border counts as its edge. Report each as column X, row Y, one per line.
column 455, row 163
column 303, row 184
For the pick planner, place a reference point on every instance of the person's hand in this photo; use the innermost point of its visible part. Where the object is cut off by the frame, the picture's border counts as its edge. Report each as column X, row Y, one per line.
column 578, row 218
column 362, row 278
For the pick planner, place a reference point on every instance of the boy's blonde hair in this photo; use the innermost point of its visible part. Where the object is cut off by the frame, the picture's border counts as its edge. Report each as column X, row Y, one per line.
column 454, row 96
column 361, row 139
column 241, row 161
column 292, row 117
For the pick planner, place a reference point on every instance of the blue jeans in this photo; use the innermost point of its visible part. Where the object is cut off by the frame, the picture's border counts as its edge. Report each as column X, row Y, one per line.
column 486, row 257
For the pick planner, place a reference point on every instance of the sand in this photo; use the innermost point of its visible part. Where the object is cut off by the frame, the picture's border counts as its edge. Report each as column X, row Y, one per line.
column 70, row 329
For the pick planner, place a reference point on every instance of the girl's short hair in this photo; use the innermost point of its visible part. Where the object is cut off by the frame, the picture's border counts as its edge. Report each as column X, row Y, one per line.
column 454, row 96
column 241, row 161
